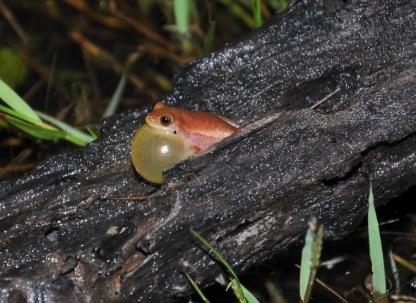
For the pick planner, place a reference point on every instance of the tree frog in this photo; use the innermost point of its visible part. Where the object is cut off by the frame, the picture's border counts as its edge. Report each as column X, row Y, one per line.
column 173, row 134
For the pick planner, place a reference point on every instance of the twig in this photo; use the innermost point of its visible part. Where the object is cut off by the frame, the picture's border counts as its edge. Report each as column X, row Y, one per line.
column 139, row 27
column 137, row 198
column 8, row 15
column 325, row 98
column 98, row 52
column 85, row 9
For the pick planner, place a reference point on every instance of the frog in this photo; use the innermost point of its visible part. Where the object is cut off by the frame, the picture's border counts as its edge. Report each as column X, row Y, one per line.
column 172, row 134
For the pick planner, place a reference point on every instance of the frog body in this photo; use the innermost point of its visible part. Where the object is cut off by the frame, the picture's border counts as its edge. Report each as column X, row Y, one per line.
column 173, row 134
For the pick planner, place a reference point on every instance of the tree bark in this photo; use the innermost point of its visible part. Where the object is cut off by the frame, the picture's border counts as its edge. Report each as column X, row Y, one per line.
column 65, row 238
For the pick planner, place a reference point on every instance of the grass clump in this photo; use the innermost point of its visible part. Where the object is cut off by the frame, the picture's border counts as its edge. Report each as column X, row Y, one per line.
column 17, row 113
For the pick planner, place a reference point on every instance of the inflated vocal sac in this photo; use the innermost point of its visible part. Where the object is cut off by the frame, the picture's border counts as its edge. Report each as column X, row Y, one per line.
column 154, row 151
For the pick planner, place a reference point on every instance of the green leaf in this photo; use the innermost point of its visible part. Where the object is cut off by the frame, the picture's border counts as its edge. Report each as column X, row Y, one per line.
column 376, row 250
column 197, row 289
column 13, row 100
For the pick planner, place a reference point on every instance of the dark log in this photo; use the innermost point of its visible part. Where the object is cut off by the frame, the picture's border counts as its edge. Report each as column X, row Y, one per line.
column 65, row 239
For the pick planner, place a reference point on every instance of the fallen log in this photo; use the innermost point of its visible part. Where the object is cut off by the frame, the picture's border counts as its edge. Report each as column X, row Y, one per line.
column 67, row 237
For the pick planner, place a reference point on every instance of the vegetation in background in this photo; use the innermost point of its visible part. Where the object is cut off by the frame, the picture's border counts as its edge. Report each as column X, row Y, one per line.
column 72, row 60
column 18, row 114
column 13, row 71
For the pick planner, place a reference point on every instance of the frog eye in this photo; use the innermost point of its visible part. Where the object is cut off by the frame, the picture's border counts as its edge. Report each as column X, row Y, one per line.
column 166, row 119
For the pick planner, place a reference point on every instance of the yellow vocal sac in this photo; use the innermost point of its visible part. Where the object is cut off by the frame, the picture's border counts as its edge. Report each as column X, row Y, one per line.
column 154, row 151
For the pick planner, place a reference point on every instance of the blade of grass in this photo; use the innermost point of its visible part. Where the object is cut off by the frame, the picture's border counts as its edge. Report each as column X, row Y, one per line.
column 11, row 112
column 274, row 291
column 9, row 96
column 249, row 295
column 239, row 12
column 256, row 8
column 121, row 86
column 45, row 131
column 182, row 12
column 305, row 264
column 209, row 38
column 279, row 5
column 395, row 272
column 35, row 131
column 116, row 98
column 235, row 282
column 74, row 135
column 311, row 254
column 197, row 289
column 212, row 250
column 236, row 286
column 91, row 132
column 376, row 250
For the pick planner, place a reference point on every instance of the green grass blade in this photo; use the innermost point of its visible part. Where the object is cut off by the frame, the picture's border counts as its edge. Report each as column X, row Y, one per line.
column 249, row 295
column 74, row 135
column 212, row 250
column 274, row 291
column 91, row 132
column 311, row 254
column 256, row 7
column 11, row 112
column 121, row 86
column 235, row 282
column 182, row 12
column 9, row 96
column 209, row 38
column 116, row 98
column 376, row 250
column 395, row 272
column 279, row 5
column 34, row 130
column 197, row 289
column 238, row 290
column 306, row 264
column 239, row 12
